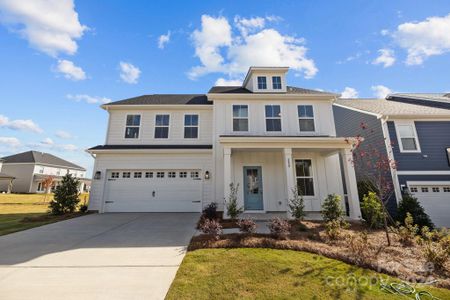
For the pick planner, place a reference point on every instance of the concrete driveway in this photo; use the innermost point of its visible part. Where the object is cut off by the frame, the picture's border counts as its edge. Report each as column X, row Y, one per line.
column 107, row 256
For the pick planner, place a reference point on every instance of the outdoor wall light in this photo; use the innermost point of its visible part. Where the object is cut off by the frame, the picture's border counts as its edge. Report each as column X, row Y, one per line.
column 207, row 175
column 98, row 175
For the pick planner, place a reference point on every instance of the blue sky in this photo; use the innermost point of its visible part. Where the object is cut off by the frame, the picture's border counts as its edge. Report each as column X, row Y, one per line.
column 61, row 59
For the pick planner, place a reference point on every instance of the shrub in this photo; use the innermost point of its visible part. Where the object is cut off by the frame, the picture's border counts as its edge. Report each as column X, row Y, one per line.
column 246, row 225
column 408, row 232
column 233, row 209
column 83, row 208
column 210, row 211
column 359, row 246
column 297, row 205
column 333, row 229
column 364, row 187
column 278, row 227
column 332, row 209
column 411, row 205
column 211, row 227
column 372, row 210
column 436, row 247
column 66, row 195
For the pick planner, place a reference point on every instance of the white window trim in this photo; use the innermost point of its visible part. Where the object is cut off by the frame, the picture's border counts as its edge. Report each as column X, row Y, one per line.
column 140, row 123
column 313, row 175
column 272, row 82
column 198, row 125
column 399, row 141
column 265, row 119
column 168, row 126
column 303, row 118
column 248, row 118
column 257, row 83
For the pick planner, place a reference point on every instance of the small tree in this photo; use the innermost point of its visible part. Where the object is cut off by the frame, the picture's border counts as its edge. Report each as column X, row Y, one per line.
column 411, row 205
column 46, row 184
column 66, row 195
column 332, row 209
column 233, row 209
column 372, row 210
column 297, row 205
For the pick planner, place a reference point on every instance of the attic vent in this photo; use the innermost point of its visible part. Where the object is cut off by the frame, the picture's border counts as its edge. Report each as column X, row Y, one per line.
column 447, row 95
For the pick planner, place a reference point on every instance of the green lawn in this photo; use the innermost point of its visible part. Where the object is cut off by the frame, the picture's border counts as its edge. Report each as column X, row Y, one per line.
column 274, row 274
column 15, row 207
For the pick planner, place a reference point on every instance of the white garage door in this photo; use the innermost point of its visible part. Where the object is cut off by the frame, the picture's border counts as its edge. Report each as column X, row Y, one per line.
column 153, row 191
column 435, row 199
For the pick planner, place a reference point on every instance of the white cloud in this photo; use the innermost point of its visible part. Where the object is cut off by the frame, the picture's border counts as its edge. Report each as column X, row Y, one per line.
column 47, row 141
column 88, row 99
column 51, row 26
column 129, row 73
column 70, row 70
column 23, row 125
column 384, row 32
column 228, row 82
column 249, row 25
column 67, row 147
column 220, row 52
column 163, row 40
column 63, row 134
column 386, row 58
column 10, row 141
column 424, row 39
column 380, row 91
column 349, row 92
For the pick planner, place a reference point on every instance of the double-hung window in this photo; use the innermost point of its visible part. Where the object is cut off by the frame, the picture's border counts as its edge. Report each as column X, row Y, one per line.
column 305, row 179
column 162, row 126
column 276, row 82
column 262, row 83
column 240, row 117
column 407, row 136
column 306, row 118
column 273, row 118
column 190, row 126
column 132, row 126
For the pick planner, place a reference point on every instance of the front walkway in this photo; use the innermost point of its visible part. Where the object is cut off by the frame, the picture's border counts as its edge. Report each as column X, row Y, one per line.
column 107, row 256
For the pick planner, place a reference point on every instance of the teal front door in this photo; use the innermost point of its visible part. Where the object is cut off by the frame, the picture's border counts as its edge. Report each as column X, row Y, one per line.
column 253, row 193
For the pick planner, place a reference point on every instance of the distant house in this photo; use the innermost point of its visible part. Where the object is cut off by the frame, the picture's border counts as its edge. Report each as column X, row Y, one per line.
column 417, row 137
column 439, row 100
column 5, row 179
column 30, row 168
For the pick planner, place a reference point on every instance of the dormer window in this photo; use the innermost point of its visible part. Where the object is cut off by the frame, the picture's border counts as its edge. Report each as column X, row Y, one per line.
column 276, row 82
column 262, row 83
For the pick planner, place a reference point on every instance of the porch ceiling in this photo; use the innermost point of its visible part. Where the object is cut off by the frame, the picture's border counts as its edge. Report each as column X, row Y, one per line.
column 280, row 142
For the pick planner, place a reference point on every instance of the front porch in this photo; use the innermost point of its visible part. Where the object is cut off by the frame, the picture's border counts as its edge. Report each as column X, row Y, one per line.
column 267, row 170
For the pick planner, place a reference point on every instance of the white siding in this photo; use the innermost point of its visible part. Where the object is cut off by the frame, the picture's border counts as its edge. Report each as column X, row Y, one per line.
column 117, row 122
column 55, row 171
column 163, row 161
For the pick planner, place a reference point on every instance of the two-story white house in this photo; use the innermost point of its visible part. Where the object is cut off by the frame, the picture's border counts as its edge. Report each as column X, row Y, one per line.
column 178, row 153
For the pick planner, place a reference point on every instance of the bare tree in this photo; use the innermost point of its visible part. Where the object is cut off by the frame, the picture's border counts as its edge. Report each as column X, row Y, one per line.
column 46, row 184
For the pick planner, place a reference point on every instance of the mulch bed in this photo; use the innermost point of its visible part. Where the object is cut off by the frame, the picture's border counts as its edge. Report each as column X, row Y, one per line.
column 397, row 260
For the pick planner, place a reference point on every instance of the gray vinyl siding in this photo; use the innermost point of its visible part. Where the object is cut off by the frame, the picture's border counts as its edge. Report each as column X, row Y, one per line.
column 348, row 124
column 404, row 178
column 434, row 138
column 23, row 174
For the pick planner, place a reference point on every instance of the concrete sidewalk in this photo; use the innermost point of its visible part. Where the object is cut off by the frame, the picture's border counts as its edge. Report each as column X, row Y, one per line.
column 107, row 256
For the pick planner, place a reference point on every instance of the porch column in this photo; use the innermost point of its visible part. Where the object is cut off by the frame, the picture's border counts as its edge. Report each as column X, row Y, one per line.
column 350, row 180
column 290, row 182
column 226, row 178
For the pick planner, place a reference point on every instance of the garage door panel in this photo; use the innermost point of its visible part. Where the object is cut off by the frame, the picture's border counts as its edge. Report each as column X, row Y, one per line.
column 435, row 199
column 152, row 194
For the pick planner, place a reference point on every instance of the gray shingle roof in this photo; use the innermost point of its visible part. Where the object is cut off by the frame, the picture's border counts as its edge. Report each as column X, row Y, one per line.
column 241, row 90
column 164, row 99
column 437, row 97
column 391, row 108
column 40, row 158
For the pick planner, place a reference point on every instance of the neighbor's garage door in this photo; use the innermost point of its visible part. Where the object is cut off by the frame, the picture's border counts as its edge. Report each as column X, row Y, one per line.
column 153, row 191
column 435, row 199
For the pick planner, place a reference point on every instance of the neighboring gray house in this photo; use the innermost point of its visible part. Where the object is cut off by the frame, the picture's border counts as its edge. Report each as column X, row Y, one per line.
column 31, row 167
column 416, row 137
column 5, row 179
column 439, row 100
